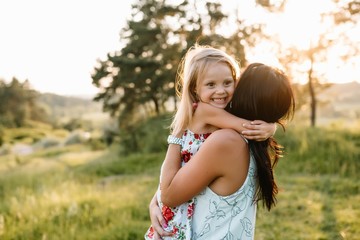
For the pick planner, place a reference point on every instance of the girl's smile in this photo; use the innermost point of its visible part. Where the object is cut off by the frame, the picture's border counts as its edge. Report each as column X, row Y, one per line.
column 217, row 85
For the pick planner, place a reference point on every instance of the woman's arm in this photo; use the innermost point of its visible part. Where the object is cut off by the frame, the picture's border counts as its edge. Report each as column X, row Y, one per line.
column 253, row 130
column 157, row 220
column 180, row 184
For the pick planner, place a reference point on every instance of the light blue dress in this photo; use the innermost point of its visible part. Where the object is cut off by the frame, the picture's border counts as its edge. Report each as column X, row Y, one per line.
column 227, row 217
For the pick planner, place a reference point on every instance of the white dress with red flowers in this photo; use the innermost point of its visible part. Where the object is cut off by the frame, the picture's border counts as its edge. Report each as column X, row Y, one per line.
column 179, row 219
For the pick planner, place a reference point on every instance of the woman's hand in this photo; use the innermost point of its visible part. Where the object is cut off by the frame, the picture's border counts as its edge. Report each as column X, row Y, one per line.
column 157, row 220
column 259, row 130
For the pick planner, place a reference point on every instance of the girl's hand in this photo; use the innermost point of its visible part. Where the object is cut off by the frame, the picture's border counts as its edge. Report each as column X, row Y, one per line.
column 157, row 220
column 259, row 130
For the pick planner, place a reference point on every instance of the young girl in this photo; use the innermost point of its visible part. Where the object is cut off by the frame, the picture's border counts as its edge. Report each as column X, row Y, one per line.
column 206, row 75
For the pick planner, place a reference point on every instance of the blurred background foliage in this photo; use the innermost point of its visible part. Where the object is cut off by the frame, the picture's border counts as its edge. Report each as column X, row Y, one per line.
column 136, row 83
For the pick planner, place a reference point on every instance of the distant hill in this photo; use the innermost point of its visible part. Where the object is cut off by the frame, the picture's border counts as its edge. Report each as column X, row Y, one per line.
column 345, row 92
column 66, row 107
column 340, row 101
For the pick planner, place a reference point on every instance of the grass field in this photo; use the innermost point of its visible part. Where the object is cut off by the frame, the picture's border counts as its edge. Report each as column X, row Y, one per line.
column 77, row 193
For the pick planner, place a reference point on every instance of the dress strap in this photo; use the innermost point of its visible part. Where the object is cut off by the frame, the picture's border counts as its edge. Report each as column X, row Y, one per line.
column 247, row 141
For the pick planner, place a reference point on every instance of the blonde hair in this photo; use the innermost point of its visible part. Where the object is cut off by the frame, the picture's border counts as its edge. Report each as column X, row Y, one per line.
column 191, row 70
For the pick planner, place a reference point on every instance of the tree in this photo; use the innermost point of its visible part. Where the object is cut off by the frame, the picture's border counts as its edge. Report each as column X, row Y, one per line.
column 139, row 75
column 308, row 62
column 138, row 80
column 143, row 71
column 18, row 104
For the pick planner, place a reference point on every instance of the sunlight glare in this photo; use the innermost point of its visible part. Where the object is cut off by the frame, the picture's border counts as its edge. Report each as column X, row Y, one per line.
column 300, row 24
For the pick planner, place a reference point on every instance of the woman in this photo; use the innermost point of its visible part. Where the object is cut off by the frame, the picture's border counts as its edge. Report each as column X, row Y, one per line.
column 227, row 176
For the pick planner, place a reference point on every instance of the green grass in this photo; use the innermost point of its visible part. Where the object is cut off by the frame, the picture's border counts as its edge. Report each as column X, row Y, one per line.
column 312, row 207
column 320, row 151
column 31, row 134
column 77, row 193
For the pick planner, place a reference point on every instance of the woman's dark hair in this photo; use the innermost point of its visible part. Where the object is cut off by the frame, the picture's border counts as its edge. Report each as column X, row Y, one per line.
column 265, row 93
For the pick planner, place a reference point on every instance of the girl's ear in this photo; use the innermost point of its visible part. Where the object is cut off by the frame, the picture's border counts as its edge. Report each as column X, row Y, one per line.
column 196, row 96
column 195, row 105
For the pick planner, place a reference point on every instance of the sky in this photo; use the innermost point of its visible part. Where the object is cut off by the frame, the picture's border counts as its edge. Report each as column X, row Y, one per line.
column 55, row 43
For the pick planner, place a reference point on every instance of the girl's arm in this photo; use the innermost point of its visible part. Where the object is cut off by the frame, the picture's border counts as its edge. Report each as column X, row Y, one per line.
column 253, row 130
column 169, row 169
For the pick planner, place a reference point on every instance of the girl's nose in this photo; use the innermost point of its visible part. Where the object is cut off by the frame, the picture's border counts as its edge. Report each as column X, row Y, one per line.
column 220, row 90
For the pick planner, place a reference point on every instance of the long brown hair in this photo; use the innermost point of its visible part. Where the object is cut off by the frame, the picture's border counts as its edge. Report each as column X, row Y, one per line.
column 265, row 93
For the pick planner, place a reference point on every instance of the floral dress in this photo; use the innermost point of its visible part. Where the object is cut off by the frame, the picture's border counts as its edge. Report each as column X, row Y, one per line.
column 179, row 219
column 227, row 217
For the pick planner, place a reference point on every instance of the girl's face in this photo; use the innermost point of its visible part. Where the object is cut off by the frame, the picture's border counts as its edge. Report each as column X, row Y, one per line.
column 217, row 86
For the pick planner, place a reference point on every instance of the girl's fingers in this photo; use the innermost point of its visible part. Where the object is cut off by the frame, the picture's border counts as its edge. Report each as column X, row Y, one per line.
column 253, row 135
column 257, row 122
column 251, row 126
column 250, row 133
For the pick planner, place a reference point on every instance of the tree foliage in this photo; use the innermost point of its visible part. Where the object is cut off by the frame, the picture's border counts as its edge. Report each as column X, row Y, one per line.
column 18, row 104
column 138, row 80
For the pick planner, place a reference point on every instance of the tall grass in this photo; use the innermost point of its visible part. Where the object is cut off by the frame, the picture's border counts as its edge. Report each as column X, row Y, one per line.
column 78, row 193
column 320, row 150
column 100, row 198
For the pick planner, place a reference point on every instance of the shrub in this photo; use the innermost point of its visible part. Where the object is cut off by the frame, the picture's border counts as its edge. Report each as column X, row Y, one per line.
column 148, row 136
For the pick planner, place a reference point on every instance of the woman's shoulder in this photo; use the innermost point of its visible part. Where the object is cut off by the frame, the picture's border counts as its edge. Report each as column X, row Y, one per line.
column 227, row 137
column 226, row 133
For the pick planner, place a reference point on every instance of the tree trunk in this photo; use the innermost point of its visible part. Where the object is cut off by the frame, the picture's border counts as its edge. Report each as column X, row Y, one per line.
column 312, row 96
column 157, row 107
